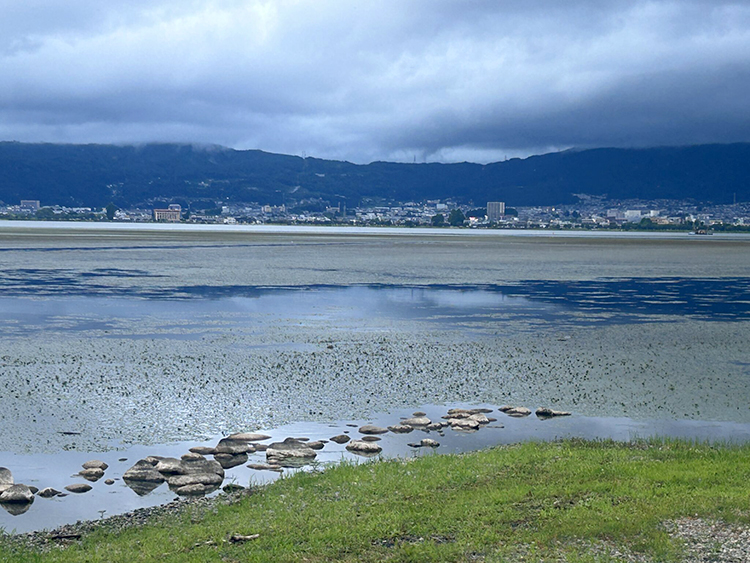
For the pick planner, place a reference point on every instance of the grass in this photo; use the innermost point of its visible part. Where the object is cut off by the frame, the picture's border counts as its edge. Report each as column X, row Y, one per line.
column 573, row 500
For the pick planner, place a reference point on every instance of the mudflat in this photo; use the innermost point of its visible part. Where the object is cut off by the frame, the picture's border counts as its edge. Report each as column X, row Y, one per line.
column 141, row 336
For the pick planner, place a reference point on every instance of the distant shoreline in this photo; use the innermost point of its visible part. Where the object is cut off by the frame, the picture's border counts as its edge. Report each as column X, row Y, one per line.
column 16, row 226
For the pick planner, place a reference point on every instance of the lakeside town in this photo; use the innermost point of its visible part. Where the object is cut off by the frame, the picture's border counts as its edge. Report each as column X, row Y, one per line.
column 590, row 212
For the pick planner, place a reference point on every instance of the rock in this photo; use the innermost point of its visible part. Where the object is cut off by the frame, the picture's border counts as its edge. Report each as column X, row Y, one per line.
column 203, row 466
column 248, row 437
column 6, row 479
column 419, row 413
column 371, row 438
column 95, row 464
column 414, row 444
column 203, row 450
column 227, row 461
column 17, row 494
column 194, row 490
column 543, row 412
column 192, row 476
column 372, row 429
column 92, row 474
column 143, row 471
column 290, row 451
column 109, row 482
column 417, row 421
column 208, row 479
column 48, row 492
column 302, row 439
column 265, row 467
column 316, row 445
column 435, row 426
column 364, row 448
column 400, row 429
column 341, row 439
column 33, row 489
column 260, row 447
column 78, row 488
column 170, row 466
column 463, row 424
column 469, row 411
column 429, row 443
column 289, row 445
column 516, row 412
column 234, row 447
column 481, row 418
column 192, row 463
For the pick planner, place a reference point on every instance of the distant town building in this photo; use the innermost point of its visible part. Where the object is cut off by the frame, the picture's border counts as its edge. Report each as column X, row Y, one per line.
column 171, row 214
column 633, row 215
column 615, row 214
column 271, row 209
column 30, row 205
column 495, row 210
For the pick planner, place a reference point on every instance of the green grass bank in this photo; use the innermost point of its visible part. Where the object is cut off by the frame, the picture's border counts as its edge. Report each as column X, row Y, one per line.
column 564, row 501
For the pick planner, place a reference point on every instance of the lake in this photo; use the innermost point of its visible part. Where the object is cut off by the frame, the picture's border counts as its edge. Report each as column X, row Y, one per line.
column 142, row 340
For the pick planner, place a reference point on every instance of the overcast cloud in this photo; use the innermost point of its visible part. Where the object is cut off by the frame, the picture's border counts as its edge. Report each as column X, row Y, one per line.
column 377, row 80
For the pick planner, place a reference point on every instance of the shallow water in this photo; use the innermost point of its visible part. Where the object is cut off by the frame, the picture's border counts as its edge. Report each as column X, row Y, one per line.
column 113, row 344
column 141, row 369
column 104, row 500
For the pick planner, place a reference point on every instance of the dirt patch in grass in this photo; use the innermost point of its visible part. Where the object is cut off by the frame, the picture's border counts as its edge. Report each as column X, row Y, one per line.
column 712, row 540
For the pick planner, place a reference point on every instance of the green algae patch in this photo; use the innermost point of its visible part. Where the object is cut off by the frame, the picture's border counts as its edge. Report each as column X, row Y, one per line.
column 562, row 501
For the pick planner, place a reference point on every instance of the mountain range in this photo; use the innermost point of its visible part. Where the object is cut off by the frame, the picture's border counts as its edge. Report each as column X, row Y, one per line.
column 152, row 174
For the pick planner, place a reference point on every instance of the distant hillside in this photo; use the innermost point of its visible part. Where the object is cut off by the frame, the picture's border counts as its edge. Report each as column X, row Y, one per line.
column 93, row 175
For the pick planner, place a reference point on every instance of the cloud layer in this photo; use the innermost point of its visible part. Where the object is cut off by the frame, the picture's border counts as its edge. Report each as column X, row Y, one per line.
column 388, row 80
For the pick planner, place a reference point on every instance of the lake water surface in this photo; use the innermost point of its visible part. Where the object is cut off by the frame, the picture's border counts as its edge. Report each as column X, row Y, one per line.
column 124, row 343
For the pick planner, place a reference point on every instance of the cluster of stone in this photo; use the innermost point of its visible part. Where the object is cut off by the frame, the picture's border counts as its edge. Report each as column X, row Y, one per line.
column 196, row 475
column 16, row 498
column 193, row 474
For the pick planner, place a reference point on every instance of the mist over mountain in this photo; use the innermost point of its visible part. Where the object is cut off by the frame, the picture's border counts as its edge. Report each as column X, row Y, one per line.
column 94, row 175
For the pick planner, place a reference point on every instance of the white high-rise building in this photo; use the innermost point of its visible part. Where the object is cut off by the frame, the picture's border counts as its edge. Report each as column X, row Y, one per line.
column 495, row 210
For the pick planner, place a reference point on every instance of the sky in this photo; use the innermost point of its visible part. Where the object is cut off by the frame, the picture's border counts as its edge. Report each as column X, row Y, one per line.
column 359, row 80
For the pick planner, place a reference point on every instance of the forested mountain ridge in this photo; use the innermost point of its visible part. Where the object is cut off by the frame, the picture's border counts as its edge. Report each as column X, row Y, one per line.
column 94, row 175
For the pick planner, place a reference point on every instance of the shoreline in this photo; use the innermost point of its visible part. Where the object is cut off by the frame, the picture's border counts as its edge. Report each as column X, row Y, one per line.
column 118, row 499
column 15, row 226
column 247, row 517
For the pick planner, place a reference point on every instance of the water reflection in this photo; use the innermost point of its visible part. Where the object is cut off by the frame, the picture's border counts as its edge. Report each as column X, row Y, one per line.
column 579, row 303
column 142, row 488
column 16, row 508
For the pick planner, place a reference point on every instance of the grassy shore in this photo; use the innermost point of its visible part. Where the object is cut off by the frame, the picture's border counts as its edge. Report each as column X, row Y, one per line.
column 567, row 501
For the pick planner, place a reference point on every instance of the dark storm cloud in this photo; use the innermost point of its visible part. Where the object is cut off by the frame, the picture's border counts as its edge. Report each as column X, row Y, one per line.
column 475, row 80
